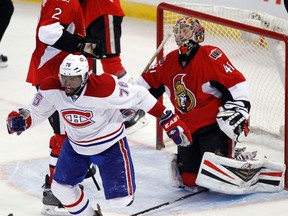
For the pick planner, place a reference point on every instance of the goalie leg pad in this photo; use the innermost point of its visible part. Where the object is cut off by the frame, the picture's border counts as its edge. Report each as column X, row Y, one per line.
column 231, row 176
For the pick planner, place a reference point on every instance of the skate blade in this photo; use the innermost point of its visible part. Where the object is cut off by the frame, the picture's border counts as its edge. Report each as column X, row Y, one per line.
column 136, row 127
column 54, row 211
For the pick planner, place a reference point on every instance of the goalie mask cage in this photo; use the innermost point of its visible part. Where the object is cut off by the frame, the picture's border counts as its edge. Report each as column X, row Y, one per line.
column 256, row 44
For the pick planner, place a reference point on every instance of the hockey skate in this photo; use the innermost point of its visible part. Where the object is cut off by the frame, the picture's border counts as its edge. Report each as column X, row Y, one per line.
column 134, row 120
column 3, row 61
column 52, row 206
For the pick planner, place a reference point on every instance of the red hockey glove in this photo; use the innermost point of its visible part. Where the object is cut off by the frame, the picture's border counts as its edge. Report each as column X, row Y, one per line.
column 17, row 123
column 176, row 129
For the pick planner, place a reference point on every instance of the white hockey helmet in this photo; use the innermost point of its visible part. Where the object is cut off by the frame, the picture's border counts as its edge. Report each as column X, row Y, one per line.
column 187, row 32
column 74, row 65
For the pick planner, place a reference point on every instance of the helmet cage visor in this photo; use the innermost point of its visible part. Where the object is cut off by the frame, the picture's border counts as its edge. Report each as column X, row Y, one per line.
column 187, row 32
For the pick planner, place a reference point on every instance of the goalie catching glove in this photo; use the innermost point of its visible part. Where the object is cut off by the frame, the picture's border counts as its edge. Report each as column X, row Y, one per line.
column 176, row 129
column 18, row 121
column 233, row 120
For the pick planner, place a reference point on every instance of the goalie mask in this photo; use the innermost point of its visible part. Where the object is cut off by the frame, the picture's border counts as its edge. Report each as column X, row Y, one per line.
column 73, row 73
column 187, row 33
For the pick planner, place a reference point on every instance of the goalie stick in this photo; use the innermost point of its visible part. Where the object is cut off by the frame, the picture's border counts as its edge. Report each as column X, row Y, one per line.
column 140, row 121
column 157, row 52
column 193, row 193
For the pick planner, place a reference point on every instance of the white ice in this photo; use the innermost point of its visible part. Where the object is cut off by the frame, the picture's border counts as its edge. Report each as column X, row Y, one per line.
column 24, row 158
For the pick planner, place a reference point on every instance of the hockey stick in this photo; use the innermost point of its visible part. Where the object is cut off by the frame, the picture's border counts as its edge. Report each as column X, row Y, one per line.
column 157, row 51
column 91, row 172
column 200, row 190
column 94, row 65
column 94, row 179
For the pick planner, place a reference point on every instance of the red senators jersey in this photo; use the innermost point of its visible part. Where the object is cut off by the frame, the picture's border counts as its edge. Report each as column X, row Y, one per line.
column 54, row 17
column 196, row 101
column 92, row 9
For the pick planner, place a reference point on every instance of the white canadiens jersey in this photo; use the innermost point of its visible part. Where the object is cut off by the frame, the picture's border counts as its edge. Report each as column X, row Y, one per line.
column 93, row 121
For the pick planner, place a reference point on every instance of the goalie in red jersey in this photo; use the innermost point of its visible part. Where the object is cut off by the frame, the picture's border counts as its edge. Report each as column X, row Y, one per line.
column 208, row 93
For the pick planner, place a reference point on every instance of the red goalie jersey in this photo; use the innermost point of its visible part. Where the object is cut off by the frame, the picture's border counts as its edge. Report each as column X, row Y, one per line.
column 194, row 89
column 55, row 16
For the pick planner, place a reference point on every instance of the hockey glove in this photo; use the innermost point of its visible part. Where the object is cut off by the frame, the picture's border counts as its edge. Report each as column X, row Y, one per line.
column 91, row 47
column 18, row 121
column 233, row 120
column 246, row 156
column 242, row 155
column 176, row 129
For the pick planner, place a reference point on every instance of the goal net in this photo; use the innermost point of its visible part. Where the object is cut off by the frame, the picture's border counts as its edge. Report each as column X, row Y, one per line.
column 256, row 44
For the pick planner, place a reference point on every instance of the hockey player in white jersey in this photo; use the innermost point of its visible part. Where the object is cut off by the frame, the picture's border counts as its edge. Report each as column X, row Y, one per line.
column 90, row 106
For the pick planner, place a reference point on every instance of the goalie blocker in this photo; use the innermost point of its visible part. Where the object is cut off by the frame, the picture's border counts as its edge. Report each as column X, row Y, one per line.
column 231, row 176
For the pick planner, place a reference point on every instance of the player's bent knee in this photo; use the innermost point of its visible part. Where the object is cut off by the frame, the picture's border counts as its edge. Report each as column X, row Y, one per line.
column 65, row 193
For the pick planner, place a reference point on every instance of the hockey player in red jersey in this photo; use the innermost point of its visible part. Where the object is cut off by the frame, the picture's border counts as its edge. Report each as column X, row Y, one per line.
column 60, row 31
column 103, row 20
column 199, row 80
column 89, row 105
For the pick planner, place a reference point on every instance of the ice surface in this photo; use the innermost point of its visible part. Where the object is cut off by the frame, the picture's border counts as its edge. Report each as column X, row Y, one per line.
column 24, row 159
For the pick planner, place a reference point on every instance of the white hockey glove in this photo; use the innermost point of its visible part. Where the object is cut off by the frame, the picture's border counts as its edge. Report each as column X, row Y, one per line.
column 233, row 120
column 242, row 155
column 246, row 156
column 176, row 129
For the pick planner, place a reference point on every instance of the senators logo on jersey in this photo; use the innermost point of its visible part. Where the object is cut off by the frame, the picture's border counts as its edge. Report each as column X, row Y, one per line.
column 78, row 118
column 184, row 98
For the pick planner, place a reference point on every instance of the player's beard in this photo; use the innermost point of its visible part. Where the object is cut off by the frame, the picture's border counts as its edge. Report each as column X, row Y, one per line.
column 71, row 91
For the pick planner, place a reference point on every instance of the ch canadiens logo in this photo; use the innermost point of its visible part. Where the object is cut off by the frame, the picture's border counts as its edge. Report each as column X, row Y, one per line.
column 78, row 118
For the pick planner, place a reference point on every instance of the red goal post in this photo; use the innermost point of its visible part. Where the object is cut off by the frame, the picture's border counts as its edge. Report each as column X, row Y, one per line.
column 256, row 43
